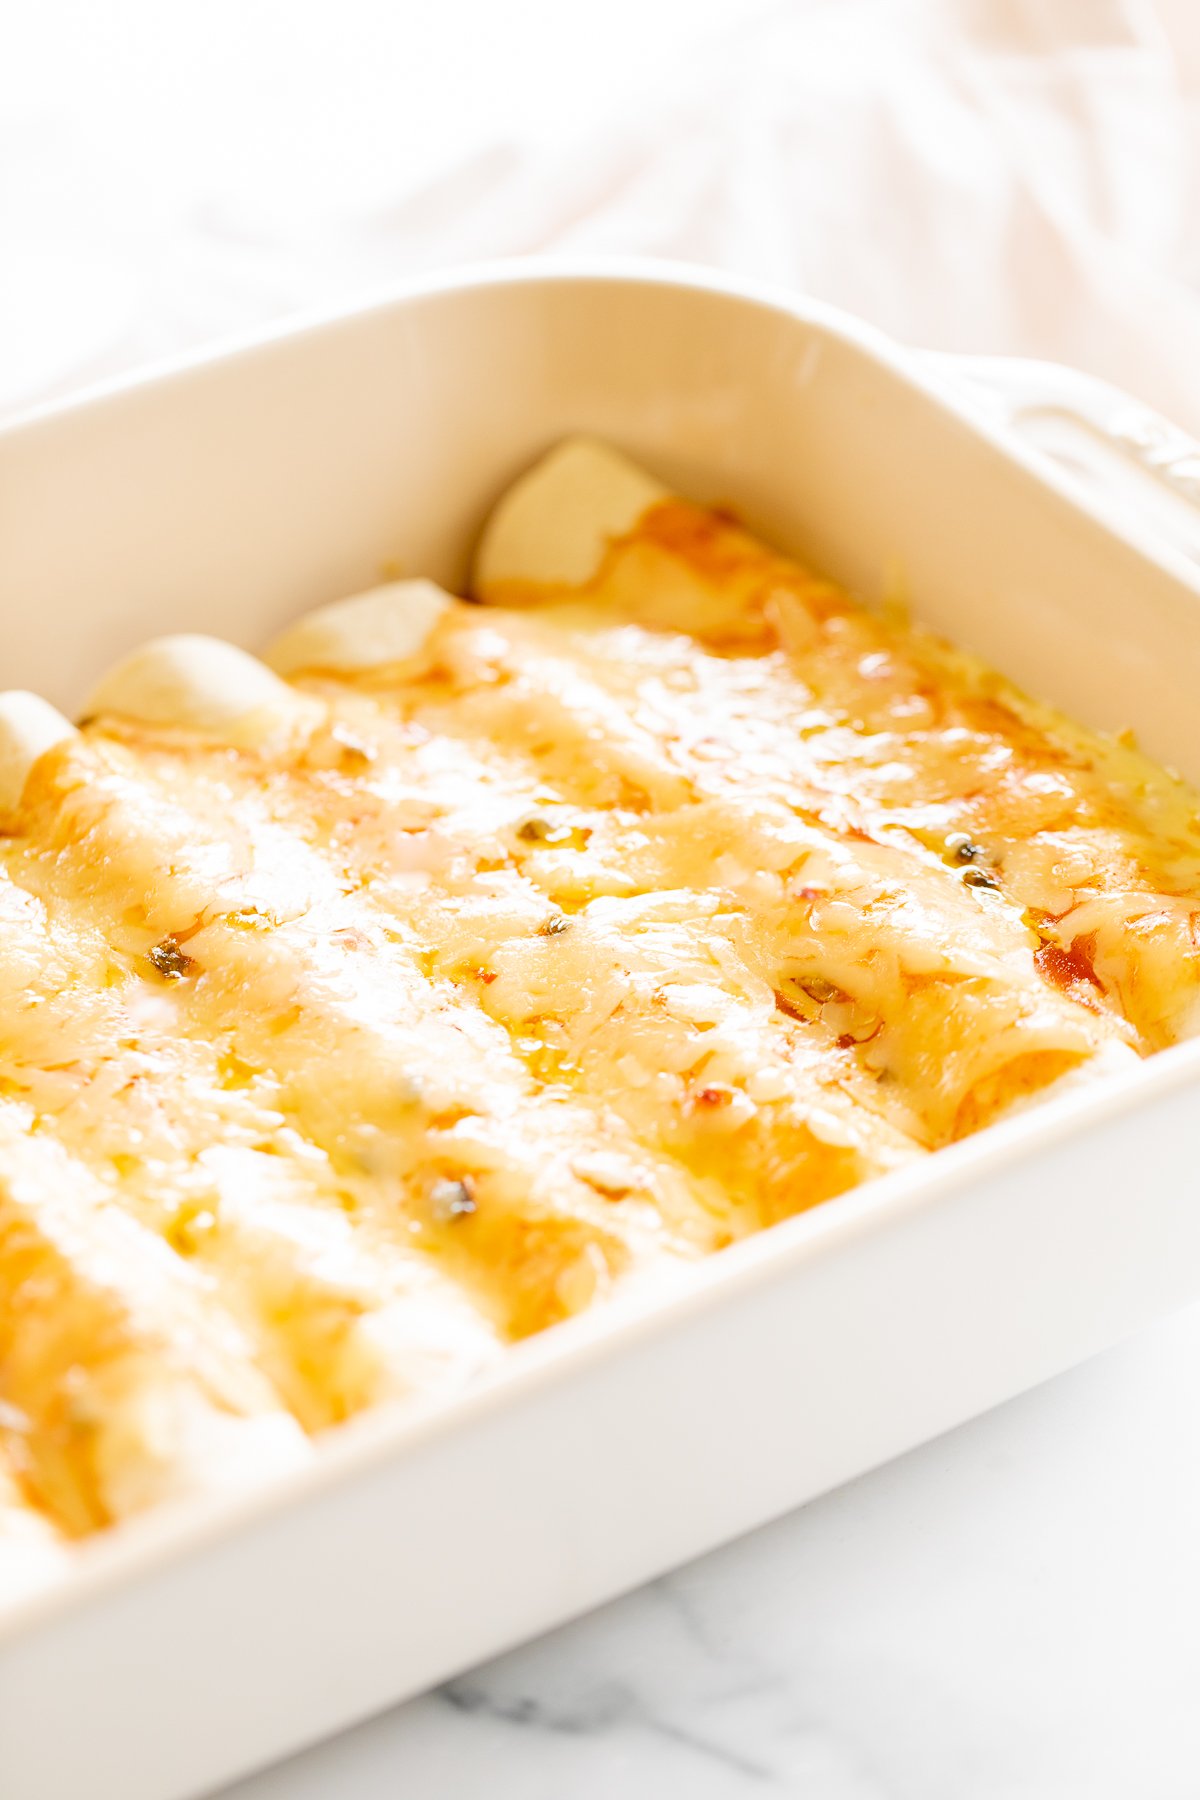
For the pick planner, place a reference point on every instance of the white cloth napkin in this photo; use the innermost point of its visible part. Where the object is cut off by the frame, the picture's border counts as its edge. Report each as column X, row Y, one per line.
column 984, row 175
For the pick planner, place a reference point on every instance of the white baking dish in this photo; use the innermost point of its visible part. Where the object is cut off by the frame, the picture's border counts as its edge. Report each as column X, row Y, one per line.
column 229, row 495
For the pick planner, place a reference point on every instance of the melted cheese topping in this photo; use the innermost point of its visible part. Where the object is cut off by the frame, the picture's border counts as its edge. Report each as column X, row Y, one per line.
column 616, row 920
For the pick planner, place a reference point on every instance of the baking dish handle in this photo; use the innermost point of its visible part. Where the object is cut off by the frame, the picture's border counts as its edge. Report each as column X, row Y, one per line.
column 1122, row 452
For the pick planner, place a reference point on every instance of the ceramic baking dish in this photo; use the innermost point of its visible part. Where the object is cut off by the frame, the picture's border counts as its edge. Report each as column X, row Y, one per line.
column 231, row 494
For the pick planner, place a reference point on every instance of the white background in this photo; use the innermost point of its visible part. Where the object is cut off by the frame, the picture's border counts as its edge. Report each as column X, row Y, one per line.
column 971, row 174
column 1014, row 1612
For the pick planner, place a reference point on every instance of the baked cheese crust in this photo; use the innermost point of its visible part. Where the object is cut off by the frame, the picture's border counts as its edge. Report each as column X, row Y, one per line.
column 362, row 1013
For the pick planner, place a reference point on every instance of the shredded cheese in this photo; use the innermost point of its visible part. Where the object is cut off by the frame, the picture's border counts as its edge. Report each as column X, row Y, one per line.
column 596, row 928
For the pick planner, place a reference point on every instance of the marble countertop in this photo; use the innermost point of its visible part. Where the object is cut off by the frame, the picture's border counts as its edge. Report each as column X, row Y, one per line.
column 1010, row 1613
